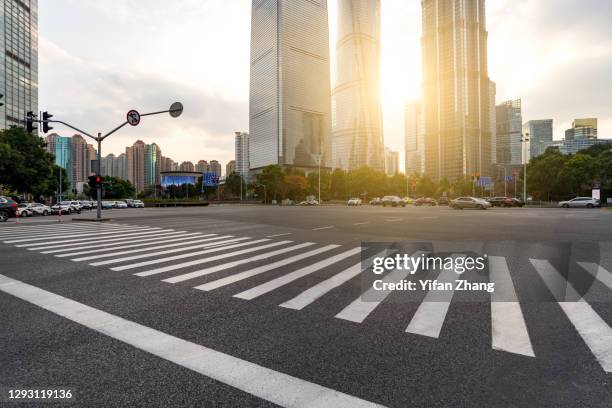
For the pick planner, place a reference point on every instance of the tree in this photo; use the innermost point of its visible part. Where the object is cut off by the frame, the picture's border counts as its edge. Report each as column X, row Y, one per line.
column 295, row 186
column 233, row 184
column 114, row 187
column 272, row 178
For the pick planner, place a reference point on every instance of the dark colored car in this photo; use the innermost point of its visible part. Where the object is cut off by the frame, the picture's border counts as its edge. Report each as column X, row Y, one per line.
column 8, row 208
column 425, row 201
column 502, row 202
column 393, row 201
column 443, row 201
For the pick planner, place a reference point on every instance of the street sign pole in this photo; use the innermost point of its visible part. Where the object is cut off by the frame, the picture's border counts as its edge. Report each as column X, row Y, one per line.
column 99, row 185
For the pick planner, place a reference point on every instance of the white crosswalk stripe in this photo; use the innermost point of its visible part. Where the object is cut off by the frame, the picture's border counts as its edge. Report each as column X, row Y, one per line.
column 509, row 331
column 64, row 230
column 71, row 235
column 365, row 304
column 52, row 227
column 70, row 244
column 430, row 316
column 202, row 260
column 208, row 271
column 599, row 272
column 595, row 332
column 229, row 239
column 285, row 279
column 150, row 248
column 261, row 269
column 112, row 246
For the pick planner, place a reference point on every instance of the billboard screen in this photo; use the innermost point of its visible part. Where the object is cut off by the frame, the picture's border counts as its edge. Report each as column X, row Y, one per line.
column 178, row 179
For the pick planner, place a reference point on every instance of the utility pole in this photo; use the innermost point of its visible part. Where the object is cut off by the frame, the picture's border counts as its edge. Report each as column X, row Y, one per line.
column 524, row 140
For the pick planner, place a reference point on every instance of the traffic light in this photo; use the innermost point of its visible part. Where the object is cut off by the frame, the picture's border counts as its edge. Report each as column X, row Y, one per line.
column 45, row 117
column 30, row 122
column 94, row 181
column 1, row 103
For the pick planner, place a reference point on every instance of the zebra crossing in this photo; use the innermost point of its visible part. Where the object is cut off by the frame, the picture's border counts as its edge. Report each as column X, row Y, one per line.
column 220, row 259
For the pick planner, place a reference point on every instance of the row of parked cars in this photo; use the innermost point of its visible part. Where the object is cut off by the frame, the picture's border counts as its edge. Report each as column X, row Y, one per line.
column 10, row 208
column 461, row 202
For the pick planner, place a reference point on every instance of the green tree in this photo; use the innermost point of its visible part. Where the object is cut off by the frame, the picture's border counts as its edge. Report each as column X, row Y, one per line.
column 295, row 186
column 234, row 184
column 272, row 177
column 115, row 188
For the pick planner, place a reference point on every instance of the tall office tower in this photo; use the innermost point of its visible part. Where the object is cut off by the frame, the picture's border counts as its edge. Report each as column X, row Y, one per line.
column 120, row 167
column 152, row 164
column 493, row 120
column 187, row 166
column 456, row 89
column 391, row 162
column 50, row 142
column 18, row 60
column 107, row 165
column 357, row 132
column 136, row 165
column 230, row 167
column 61, row 148
column 414, row 144
column 582, row 129
column 241, row 151
column 79, row 160
column 202, row 166
column 587, row 122
column 540, row 136
column 509, row 126
column 92, row 154
column 168, row 164
column 289, row 106
column 215, row 167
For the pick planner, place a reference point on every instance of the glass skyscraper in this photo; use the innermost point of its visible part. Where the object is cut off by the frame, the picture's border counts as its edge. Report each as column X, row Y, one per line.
column 540, row 136
column 357, row 138
column 289, row 107
column 18, row 60
column 509, row 126
column 456, row 85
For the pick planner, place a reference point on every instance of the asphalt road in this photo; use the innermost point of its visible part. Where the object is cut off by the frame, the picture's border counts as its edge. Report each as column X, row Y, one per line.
column 253, row 306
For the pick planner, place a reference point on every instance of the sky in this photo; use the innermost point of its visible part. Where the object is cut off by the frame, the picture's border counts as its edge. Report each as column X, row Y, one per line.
column 99, row 59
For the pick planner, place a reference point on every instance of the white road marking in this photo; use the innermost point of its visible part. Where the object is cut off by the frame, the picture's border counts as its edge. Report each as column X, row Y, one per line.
column 599, row 272
column 393, row 219
column 261, row 269
column 595, row 332
column 279, row 235
column 323, row 228
column 171, row 251
column 204, row 260
column 508, row 328
column 430, row 316
column 274, row 386
column 192, row 240
column 359, row 309
column 43, row 229
column 93, row 234
column 362, row 223
column 175, row 237
column 213, row 269
column 60, row 231
column 310, row 295
column 61, row 243
column 290, row 277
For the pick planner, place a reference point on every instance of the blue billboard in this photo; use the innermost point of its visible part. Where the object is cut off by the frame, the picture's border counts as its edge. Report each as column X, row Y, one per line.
column 210, row 179
column 178, row 179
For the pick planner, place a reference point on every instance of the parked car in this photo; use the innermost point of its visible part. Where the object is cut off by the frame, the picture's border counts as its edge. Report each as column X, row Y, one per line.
column 63, row 207
column 354, row 202
column 39, row 209
column 309, row 202
column 581, row 202
column 470, row 202
column 502, row 201
column 24, row 211
column 443, row 201
column 137, row 204
column 8, row 208
column 107, row 205
column 129, row 202
column 408, row 200
column 119, row 204
column 85, row 205
column 376, row 201
column 393, row 201
column 425, row 201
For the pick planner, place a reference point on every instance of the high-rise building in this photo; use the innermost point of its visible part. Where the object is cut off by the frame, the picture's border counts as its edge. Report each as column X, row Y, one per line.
column 414, row 128
column 509, row 126
column 18, row 60
column 136, row 165
column 107, row 165
column 391, row 162
column 202, row 166
column 230, row 167
column 357, row 132
column 456, row 85
column 187, row 166
column 215, row 167
column 582, row 129
column 92, row 155
column 80, row 157
column 168, row 164
column 540, row 136
column 241, row 150
column 120, row 167
column 289, row 106
column 152, row 165
column 586, row 122
column 61, row 149
column 493, row 120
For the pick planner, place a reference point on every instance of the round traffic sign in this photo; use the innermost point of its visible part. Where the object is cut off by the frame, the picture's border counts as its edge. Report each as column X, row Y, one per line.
column 176, row 109
column 133, row 117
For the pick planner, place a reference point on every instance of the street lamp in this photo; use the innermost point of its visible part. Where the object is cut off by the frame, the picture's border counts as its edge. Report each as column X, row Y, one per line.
column 524, row 140
column 132, row 118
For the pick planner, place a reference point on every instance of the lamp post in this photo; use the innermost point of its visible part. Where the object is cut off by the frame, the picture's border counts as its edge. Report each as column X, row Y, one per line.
column 524, row 140
column 132, row 118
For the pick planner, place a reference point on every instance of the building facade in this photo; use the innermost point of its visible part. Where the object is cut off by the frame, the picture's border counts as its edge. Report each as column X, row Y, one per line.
column 215, row 167
column 61, row 149
column 414, row 128
column 120, row 167
column 79, row 157
column 289, row 105
column 230, row 167
column 456, row 85
column 136, row 165
column 493, row 120
column 509, row 126
column 357, row 131
column 152, row 164
column 241, row 150
column 540, row 136
column 18, row 60
column 202, row 166
column 391, row 162
column 187, row 166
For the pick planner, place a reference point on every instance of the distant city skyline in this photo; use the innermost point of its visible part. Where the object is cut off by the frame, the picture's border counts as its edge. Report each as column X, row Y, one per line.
column 560, row 53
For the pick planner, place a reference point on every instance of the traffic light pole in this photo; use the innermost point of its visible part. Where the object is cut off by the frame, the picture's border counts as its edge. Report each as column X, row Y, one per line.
column 99, row 185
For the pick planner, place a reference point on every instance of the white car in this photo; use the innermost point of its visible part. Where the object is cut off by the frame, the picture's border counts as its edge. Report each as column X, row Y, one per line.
column 580, row 202
column 354, row 202
column 309, row 202
column 120, row 204
column 137, row 204
column 40, row 209
column 24, row 211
